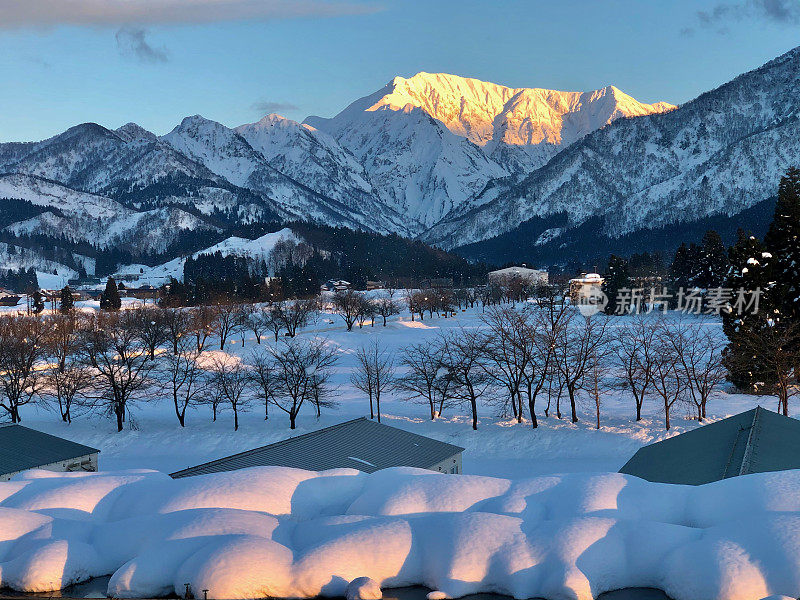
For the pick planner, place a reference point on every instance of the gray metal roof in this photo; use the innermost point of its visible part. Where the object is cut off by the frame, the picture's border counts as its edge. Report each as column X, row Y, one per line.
column 358, row 444
column 22, row 448
column 755, row 441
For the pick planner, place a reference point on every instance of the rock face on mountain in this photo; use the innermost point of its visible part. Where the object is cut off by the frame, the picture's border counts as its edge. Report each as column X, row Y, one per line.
column 716, row 155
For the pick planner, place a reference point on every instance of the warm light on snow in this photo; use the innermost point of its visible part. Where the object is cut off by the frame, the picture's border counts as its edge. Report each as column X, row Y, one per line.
column 271, row 531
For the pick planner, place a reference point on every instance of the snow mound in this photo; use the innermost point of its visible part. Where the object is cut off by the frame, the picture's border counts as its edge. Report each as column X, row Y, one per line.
column 363, row 588
column 279, row 532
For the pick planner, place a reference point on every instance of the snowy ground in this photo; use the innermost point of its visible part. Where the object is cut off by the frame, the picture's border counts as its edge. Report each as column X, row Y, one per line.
column 500, row 447
column 538, row 513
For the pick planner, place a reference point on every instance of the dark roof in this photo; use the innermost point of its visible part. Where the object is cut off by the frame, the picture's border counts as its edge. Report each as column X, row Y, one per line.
column 22, row 448
column 756, row 441
column 358, row 444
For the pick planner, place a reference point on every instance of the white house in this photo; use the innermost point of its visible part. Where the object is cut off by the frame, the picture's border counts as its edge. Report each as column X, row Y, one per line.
column 529, row 276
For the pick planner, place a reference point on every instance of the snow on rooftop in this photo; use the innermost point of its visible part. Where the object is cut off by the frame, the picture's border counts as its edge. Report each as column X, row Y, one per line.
column 273, row 531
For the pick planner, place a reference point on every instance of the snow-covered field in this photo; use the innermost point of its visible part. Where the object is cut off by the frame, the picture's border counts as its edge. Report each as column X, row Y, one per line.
column 539, row 512
column 501, row 446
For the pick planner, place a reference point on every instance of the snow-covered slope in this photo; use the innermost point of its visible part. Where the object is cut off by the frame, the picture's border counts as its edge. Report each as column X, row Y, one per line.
column 259, row 249
column 430, row 143
column 228, row 154
column 318, row 161
column 716, row 155
column 101, row 221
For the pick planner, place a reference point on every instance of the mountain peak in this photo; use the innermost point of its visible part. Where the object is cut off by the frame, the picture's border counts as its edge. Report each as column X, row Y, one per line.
column 485, row 112
column 131, row 132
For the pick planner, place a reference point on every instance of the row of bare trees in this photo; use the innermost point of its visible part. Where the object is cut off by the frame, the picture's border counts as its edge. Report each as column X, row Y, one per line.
column 108, row 361
column 550, row 351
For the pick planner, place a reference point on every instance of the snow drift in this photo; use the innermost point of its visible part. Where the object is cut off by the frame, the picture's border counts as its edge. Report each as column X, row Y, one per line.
column 273, row 531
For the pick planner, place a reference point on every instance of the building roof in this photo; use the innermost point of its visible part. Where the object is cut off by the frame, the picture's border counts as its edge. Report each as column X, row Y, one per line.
column 22, row 448
column 517, row 271
column 358, row 444
column 756, row 441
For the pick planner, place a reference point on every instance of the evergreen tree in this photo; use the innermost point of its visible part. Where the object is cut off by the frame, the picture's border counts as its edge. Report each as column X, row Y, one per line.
column 616, row 278
column 38, row 301
column 749, row 271
column 67, row 303
column 109, row 299
column 783, row 244
column 712, row 264
column 683, row 271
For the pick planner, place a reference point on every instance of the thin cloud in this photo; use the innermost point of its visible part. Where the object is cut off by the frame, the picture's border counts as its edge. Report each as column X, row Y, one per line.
column 132, row 43
column 46, row 13
column 272, row 107
column 785, row 12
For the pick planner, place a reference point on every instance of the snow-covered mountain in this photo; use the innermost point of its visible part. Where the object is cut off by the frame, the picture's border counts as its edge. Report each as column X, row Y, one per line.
column 83, row 217
column 259, row 249
column 447, row 159
column 430, row 143
column 227, row 153
column 716, row 155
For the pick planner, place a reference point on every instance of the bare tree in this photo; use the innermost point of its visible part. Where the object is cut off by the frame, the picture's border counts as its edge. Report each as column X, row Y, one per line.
column 202, row 321
column 348, row 304
column 541, row 331
column 231, row 379
column 374, row 374
column 544, row 329
column 66, row 385
column 386, row 306
column 464, row 357
column 264, row 375
column 667, row 378
column 185, row 379
column 226, row 319
column 22, row 345
column 776, row 349
column 256, row 320
column 596, row 379
column 366, row 310
column 178, row 325
column 699, row 353
column 297, row 314
column 274, row 319
column 509, row 348
column 64, row 337
column 636, row 347
column 423, row 365
column 151, row 327
column 112, row 347
column 575, row 347
column 300, row 368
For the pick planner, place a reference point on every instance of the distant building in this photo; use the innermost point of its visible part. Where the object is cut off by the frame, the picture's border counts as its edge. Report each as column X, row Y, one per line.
column 335, row 285
column 22, row 449
column 146, row 292
column 437, row 283
column 585, row 285
column 375, row 285
column 9, row 298
column 531, row 277
column 358, row 444
column 84, row 281
column 756, row 441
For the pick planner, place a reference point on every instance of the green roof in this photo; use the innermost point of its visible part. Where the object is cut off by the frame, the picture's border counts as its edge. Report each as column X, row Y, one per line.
column 22, row 448
column 756, row 441
column 358, row 444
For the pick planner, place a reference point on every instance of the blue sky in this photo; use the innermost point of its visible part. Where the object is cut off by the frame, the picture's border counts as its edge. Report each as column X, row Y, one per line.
column 235, row 60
